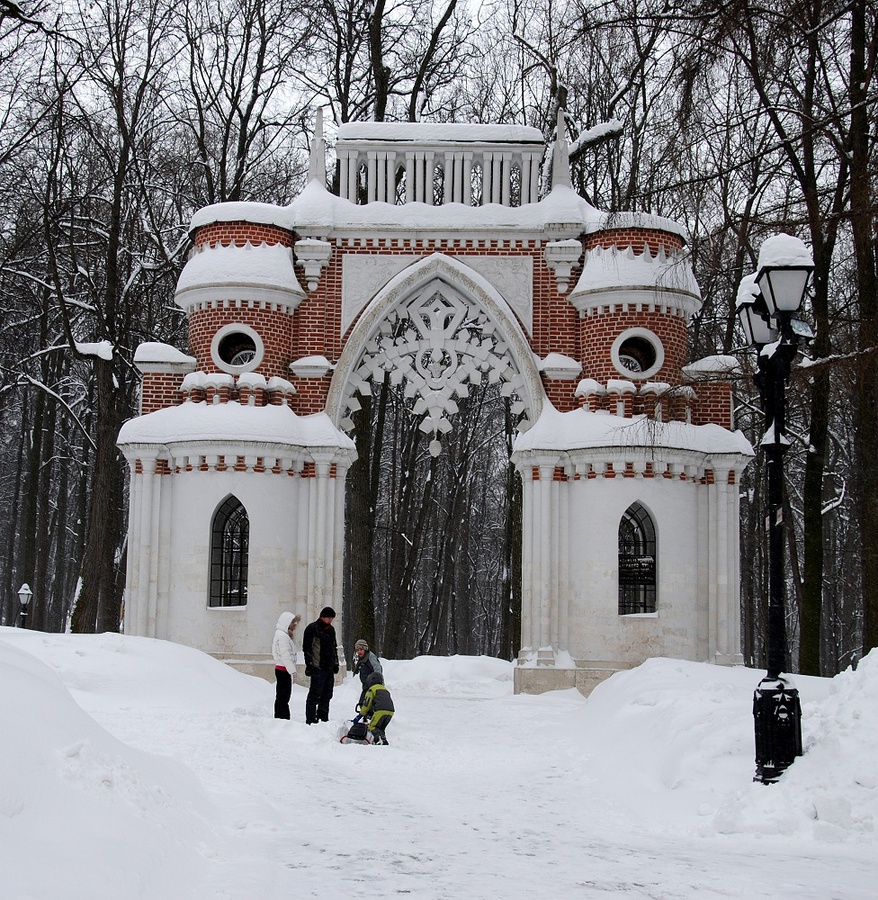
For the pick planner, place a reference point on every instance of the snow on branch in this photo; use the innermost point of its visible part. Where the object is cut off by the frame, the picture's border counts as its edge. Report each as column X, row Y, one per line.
column 101, row 349
column 591, row 137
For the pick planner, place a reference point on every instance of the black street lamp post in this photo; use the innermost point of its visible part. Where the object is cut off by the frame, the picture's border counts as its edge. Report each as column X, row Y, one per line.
column 24, row 597
column 767, row 305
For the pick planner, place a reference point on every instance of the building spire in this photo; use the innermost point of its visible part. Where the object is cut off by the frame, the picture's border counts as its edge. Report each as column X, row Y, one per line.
column 560, row 154
column 317, row 160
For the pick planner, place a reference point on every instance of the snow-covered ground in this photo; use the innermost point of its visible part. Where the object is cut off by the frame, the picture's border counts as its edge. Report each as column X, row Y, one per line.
column 134, row 768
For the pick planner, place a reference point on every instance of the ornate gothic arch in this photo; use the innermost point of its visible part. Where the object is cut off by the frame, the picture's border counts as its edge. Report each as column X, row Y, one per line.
column 437, row 326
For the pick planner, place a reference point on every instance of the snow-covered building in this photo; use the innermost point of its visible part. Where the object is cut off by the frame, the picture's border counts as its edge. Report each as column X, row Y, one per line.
column 629, row 461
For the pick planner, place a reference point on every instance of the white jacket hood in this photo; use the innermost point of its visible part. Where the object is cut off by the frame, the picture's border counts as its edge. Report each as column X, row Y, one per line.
column 284, row 620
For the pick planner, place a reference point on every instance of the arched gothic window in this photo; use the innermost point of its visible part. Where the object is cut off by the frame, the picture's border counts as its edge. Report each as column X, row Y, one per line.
column 476, row 185
column 439, row 185
column 637, row 562
column 401, row 181
column 229, row 543
column 515, row 186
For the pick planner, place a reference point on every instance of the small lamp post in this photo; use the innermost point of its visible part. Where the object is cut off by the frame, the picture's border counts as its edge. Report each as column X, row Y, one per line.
column 24, row 597
column 767, row 304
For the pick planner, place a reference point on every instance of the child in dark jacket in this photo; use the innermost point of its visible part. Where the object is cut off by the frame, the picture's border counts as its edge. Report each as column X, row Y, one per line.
column 377, row 707
column 365, row 663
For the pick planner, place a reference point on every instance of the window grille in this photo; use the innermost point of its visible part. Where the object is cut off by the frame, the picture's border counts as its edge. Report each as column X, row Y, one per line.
column 230, row 539
column 637, row 562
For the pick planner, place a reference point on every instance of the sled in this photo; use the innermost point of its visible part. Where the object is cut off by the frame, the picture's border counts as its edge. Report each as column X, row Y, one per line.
column 355, row 731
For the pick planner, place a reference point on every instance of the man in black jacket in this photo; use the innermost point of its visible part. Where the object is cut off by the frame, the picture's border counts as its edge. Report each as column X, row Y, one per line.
column 321, row 665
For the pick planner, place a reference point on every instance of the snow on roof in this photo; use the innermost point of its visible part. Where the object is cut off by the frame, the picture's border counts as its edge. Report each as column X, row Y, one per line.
column 581, row 429
column 156, row 352
column 252, row 380
column 432, row 132
column 225, row 272
column 608, row 268
column 316, row 207
column 589, row 386
column 199, row 422
column 241, row 211
column 784, row 250
column 315, row 211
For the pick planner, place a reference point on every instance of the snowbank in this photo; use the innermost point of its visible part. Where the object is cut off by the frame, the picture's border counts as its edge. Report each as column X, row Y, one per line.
column 188, row 788
column 78, row 807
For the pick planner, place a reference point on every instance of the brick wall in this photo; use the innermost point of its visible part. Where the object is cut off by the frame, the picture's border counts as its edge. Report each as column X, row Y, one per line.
column 638, row 238
column 714, row 403
column 159, row 390
column 240, row 233
column 275, row 327
column 600, row 331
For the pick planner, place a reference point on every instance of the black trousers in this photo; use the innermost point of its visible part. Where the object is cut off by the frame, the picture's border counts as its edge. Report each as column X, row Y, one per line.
column 283, row 691
column 319, row 695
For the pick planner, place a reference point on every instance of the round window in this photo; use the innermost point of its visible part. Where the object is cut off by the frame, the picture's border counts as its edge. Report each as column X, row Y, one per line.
column 236, row 349
column 637, row 353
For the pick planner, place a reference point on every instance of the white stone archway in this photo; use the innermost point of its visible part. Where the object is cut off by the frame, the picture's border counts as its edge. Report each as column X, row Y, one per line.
column 438, row 326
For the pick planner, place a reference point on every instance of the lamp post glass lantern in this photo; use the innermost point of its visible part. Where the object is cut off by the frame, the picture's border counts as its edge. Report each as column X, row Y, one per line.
column 24, row 598
column 767, row 304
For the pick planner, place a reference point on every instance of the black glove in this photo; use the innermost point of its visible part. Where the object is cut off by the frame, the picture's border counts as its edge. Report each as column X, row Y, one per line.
column 309, row 672
column 335, row 669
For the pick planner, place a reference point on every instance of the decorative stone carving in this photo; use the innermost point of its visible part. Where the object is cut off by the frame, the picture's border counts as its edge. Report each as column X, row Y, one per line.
column 561, row 257
column 363, row 277
column 313, row 255
column 513, row 276
column 437, row 344
column 558, row 367
column 311, row 367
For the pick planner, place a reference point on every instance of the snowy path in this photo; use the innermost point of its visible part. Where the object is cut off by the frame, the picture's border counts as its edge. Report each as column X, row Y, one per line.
column 474, row 797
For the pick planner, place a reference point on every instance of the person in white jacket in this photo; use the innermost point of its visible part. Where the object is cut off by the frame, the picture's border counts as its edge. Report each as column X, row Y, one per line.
column 283, row 650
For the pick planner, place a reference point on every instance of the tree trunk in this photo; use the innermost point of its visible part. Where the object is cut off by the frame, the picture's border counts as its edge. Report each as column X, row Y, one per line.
column 862, row 222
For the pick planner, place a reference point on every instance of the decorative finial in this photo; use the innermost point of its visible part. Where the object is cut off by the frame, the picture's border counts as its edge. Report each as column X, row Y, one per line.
column 317, row 160
column 560, row 154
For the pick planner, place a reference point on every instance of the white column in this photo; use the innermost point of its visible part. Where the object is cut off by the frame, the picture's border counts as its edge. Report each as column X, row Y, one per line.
column 554, row 558
column 371, row 176
column 497, row 178
column 162, row 552
column 734, row 598
column 419, row 177
column 562, row 540
column 342, row 174
column 133, row 599
column 534, row 178
column 381, row 176
column 320, row 550
column 467, row 176
column 487, row 176
column 525, row 180
column 721, row 574
column 304, row 502
column 338, row 536
column 527, row 557
column 352, row 178
column 448, row 179
column 152, row 483
column 544, row 576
